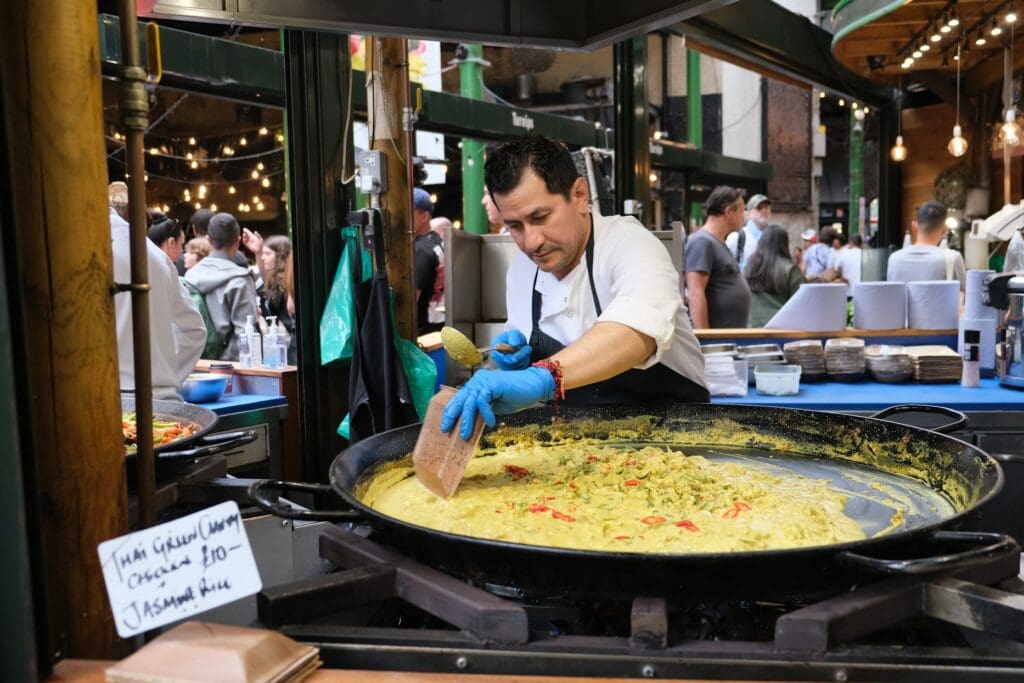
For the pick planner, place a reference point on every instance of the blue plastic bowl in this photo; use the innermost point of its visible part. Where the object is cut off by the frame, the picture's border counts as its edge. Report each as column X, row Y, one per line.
column 204, row 387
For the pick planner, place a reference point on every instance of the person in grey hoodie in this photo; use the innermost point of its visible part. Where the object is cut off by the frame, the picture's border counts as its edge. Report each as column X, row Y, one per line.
column 228, row 288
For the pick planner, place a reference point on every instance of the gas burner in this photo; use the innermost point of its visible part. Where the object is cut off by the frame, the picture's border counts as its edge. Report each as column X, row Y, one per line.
column 386, row 611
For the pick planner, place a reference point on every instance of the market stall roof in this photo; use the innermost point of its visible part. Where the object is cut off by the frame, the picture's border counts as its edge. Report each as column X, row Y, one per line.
column 567, row 24
column 887, row 39
column 765, row 37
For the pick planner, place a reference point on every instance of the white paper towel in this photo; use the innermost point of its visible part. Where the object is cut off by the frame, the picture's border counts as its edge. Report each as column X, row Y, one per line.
column 815, row 308
column 879, row 305
column 933, row 304
column 987, row 347
column 973, row 307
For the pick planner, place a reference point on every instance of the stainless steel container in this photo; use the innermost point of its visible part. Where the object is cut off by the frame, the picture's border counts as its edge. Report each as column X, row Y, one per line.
column 1005, row 291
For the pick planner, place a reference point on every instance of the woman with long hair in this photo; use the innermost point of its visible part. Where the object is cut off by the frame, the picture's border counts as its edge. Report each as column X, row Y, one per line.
column 274, row 256
column 166, row 233
column 772, row 275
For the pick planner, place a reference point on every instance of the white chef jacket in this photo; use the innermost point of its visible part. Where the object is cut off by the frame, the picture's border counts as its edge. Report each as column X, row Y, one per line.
column 636, row 284
column 177, row 334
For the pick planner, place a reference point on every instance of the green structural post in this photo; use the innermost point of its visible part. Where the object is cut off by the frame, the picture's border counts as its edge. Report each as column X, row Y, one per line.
column 474, row 218
column 694, row 116
column 856, row 172
column 287, row 176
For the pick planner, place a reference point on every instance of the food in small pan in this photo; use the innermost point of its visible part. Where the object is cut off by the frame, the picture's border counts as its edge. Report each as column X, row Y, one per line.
column 164, row 431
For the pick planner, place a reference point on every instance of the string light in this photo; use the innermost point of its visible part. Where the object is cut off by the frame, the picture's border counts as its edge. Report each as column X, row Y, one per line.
column 231, row 190
column 213, row 207
column 198, row 206
column 263, row 130
column 189, row 156
column 192, row 141
column 842, row 102
column 259, row 166
column 433, row 198
column 653, row 177
column 117, row 136
column 457, row 224
column 265, row 182
column 279, row 137
column 228, row 151
column 255, row 199
column 165, row 208
column 194, row 164
column 821, row 95
column 243, row 142
column 154, row 151
column 260, row 206
column 255, row 174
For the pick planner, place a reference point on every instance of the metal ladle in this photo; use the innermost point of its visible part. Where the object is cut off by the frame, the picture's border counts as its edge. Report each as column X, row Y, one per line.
column 465, row 352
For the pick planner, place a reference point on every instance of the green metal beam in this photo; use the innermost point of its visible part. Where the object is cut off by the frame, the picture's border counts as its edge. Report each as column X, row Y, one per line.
column 694, row 101
column 204, row 64
column 718, row 164
column 474, row 218
column 856, row 172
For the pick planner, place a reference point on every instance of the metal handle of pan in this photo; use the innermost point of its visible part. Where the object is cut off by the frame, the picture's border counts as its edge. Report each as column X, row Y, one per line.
column 211, row 445
column 996, row 545
column 959, row 419
column 1008, row 457
column 260, row 493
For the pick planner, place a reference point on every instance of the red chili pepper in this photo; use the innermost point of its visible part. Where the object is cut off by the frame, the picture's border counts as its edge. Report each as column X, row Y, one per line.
column 737, row 508
column 549, row 498
column 593, row 458
column 517, row 471
column 498, row 511
column 562, row 516
column 742, row 506
column 653, row 519
column 688, row 525
column 572, row 484
column 632, row 482
column 537, row 507
column 623, row 538
column 630, row 462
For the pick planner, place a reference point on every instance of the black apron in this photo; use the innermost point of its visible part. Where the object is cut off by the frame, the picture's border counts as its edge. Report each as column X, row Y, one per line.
column 378, row 391
column 657, row 384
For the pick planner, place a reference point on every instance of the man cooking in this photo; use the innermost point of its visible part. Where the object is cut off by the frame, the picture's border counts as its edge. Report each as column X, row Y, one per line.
column 593, row 301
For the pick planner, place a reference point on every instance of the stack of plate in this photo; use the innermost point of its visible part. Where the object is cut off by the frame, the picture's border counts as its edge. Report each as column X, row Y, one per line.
column 844, row 359
column 808, row 354
column 888, row 363
column 934, row 363
column 758, row 355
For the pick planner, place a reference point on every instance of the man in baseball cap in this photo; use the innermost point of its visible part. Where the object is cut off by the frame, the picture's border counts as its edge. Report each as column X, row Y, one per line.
column 429, row 264
column 925, row 259
column 743, row 242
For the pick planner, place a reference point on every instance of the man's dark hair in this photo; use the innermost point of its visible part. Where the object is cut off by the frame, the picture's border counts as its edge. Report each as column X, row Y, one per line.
column 201, row 220
column 550, row 159
column 721, row 198
column 827, row 236
column 856, row 240
column 931, row 216
column 223, row 230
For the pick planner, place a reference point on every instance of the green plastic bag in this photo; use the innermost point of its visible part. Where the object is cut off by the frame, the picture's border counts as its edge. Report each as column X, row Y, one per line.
column 337, row 324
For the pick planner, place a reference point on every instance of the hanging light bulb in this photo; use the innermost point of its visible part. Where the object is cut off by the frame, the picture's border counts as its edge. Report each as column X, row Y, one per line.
column 1009, row 132
column 899, row 151
column 957, row 145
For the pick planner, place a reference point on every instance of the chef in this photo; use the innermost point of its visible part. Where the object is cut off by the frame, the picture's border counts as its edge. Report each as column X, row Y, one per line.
column 593, row 301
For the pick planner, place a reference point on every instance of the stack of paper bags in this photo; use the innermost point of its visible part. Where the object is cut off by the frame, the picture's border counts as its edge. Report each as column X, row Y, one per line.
column 196, row 652
column 935, row 363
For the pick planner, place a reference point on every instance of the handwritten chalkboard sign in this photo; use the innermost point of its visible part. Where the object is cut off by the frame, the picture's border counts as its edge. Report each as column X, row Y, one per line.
column 178, row 569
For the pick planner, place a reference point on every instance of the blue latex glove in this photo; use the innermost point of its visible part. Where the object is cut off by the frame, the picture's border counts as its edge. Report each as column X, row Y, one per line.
column 492, row 391
column 517, row 360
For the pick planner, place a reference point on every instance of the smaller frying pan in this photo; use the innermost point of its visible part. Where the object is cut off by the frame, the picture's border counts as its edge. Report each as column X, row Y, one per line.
column 194, row 446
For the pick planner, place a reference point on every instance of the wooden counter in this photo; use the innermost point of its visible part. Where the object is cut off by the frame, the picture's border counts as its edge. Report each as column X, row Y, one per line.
column 91, row 671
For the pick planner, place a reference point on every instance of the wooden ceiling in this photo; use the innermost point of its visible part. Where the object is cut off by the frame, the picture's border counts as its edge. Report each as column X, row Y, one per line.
column 877, row 49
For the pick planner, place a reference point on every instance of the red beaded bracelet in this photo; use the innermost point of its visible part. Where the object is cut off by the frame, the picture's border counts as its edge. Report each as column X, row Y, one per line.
column 555, row 368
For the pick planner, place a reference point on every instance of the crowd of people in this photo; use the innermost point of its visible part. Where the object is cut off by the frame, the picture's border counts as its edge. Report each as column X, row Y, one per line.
column 203, row 290
column 740, row 270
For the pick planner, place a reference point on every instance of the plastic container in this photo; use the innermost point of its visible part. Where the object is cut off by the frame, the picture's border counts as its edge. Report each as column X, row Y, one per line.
column 225, row 369
column 203, row 387
column 725, row 376
column 778, row 380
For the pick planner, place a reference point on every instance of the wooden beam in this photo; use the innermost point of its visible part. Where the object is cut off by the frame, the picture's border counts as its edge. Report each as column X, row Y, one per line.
column 387, row 58
column 53, row 115
column 989, row 71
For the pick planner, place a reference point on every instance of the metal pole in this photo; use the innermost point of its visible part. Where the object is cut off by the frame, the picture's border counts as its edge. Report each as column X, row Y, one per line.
column 134, row 105
column 474, row 218
column 1007, row 98
column 694, row 117
column 856, row 173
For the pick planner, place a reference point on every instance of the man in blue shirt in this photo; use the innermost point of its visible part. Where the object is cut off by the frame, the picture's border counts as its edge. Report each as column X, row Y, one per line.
column 743, row 242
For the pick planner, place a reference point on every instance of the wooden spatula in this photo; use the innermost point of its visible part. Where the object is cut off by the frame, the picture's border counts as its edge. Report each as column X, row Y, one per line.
column 440, row 459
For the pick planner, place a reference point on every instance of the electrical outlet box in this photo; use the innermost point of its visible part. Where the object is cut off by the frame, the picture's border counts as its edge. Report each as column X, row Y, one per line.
column 373, row 172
